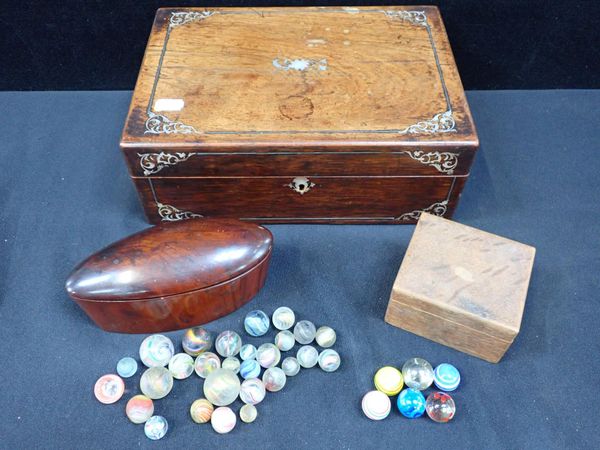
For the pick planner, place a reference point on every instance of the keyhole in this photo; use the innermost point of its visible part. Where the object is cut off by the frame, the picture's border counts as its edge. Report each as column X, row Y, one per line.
column 301, row 186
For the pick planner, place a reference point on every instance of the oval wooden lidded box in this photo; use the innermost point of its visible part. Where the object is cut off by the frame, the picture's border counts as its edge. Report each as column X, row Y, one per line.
column 173, row 275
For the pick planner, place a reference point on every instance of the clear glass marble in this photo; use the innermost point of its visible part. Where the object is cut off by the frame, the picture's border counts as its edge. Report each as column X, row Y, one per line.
column 249, row 369
column 248, row 351
column 205, row 363
column 156, row 350
column 329, row 360
column 268, row 355
column 305, row 332
column 283, row 318
column 252, row 391
column 248, row 413
column 290, row 366
column 156, row 427
column 231, row 363
column 201, row 410
column 274, row 379
column 156, row 382
column 325, row 337
column 109, row 389
column 228, row 343
column 440, row 407
column 417, row 373
column 181, row 366
column 127, row 367
column 221, row 387
column 139, row 409
column 256, row 323
column 307, row 356
column 285, row 340
column 196, row 340
column 223, row 420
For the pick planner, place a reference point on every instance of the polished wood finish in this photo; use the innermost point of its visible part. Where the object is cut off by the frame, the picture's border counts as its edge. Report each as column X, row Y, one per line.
column 462, row 287
column 298, row 92
column 173, row 276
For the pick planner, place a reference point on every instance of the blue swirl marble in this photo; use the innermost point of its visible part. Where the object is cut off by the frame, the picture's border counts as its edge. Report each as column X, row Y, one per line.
column 411, row 403
column 256, row 323
column 250, row 369
column 127, row 367
column 446, row 377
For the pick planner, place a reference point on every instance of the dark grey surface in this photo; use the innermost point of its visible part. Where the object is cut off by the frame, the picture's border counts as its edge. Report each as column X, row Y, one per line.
column 65, row 193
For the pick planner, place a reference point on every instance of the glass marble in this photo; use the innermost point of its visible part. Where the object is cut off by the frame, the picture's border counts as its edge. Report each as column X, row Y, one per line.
column 156, row 382
column 109, row 389
column 290, row 366
column 268, row 355
column 329, row 360
column 228, row 343
column 156, row 427
column 181, row 366
column 231, row 363
column 221, row 387
column 440, row 407
column 127, row 367
column 139, row 409
column 388, row 380
column 285, row 340
column 196, row 340
column 417, row 373
column 325, row 337
column 252, row 391
column 274, row 379
column 307, row 356
column 376, row 405
column 248, row 351
column 201, row 410
column 256, row 323
column 156, row 350
column 446, row 377
column 305, row 332
column 283, row 318
column 248, row 413
column 250, row 369
column 205, row 363
column 223, row 420
column 411, row 403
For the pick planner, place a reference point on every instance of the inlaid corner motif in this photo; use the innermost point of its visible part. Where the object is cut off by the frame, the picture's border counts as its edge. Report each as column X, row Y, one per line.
column 152, row 163
column 414, row 17
column 440, row 123
column 159, row 124
column 438, row 209
column 169, row 213
column 444, row 162
column 181, row 18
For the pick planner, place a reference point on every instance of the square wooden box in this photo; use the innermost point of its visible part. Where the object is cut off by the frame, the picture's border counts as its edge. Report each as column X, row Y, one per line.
column 342, row 115
column 462, row 287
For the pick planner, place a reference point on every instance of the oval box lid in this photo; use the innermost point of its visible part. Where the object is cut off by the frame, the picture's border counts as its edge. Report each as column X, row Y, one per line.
column 173, row 275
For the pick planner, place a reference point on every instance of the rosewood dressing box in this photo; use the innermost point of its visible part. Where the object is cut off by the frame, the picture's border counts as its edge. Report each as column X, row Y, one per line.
column 334, row 115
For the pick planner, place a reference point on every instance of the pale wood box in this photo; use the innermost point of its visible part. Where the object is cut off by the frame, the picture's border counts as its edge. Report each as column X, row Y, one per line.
column 462, row 287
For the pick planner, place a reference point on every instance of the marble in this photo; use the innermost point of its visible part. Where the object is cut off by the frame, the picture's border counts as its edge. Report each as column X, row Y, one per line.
column 231, row 363
column 376, row 405
column 156, row 350
column 256, row 323
column 201, row 410
column 283, row 318
column 388, row 380
column 417, row 373
column 252, row 391
column 127, row 367
column 156, row 382
column 221, row 387
column 156, row 427
column 325, row 337
column 248, row 413
column 223, row 420
column 228, row 343
column 249, row 369
column 274, row 379
column 440, row 407
column 446, row 377
column 248, row 351
column 181, row 366
column 268, row 355
column 329, row 360
column 139, row 409
column 109, row 388
column 196, row 340
column 285, row 340
column 305, row 332
column 290, row 366
column 411, row 403
column 205, row 363
column 307, row 356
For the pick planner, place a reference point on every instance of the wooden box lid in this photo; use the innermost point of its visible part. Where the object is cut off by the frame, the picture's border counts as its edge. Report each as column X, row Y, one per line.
column 465, row 276
column 233, row 78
